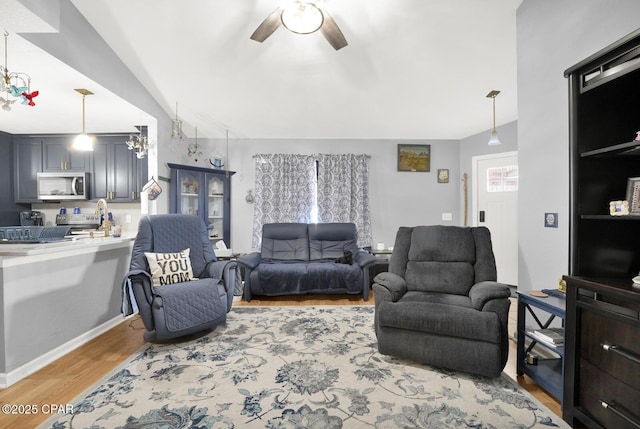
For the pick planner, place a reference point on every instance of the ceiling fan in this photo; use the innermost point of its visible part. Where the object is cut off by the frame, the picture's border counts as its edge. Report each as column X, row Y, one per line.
column 301, row 17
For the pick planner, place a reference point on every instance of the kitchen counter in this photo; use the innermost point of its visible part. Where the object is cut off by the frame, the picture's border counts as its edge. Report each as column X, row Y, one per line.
column 56, row 297
column 74, row 245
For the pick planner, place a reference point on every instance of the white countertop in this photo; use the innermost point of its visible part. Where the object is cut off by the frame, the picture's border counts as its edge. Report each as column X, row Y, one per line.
column 11, row 251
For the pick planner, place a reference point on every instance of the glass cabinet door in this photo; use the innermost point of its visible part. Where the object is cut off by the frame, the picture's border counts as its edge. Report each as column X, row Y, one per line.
column 215, row 207
column 189, row 194
column 206, row 193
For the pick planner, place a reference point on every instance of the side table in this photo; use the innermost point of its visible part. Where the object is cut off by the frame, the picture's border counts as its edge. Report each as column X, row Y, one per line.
column 381, row 265
column 548, row 373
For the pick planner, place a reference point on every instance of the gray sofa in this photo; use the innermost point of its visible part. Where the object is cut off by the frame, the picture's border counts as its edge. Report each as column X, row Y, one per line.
column 440, row 303
column 300, row 258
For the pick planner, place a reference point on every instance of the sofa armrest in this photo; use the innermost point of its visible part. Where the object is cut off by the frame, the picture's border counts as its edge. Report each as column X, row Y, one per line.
column 391, row 285
column 364, row 258
column 483, row 292
column 250, row 260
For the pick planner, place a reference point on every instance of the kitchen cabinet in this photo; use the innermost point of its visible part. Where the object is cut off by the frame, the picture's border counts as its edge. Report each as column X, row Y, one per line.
column 206, row 193
column 117, row 175
column 27, row 163
column 603, row 306
column 57, row 155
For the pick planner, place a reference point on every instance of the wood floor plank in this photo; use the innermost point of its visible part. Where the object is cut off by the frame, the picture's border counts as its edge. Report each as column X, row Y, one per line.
column 69, row 376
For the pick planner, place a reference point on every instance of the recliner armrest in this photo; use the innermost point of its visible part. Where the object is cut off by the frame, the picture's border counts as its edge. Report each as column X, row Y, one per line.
column 394, row 285
column 250, row 260
column 483, row 292
column 226, row 271
column 220, row 269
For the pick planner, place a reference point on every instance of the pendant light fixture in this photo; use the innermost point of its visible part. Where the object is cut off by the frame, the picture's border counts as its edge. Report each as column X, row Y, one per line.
column 14, row 86
column 193, row 149
column 176, row 127
column 493, row 140
column 83, row 141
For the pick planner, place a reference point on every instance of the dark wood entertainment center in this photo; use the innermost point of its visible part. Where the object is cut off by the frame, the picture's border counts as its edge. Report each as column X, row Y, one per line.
column 602, row 331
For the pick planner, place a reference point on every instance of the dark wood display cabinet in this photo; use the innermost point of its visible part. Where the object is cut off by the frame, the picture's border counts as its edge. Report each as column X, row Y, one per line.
column 602, row 331
column 203, row 192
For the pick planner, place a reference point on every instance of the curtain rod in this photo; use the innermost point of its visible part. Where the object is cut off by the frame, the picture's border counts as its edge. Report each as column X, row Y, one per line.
column 255, row 155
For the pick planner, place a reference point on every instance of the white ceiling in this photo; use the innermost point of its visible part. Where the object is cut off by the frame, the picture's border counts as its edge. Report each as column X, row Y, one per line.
column 413, row 69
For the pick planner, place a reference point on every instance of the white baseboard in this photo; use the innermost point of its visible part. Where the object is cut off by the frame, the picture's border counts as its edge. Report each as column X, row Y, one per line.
column 8, row 379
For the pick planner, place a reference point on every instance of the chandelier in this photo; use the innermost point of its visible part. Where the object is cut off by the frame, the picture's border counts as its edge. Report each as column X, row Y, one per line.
column 139, row 142
column 14, row 86
column 193, row 149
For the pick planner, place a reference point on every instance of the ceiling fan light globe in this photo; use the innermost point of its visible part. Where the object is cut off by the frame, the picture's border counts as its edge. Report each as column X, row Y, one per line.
column 302, row 18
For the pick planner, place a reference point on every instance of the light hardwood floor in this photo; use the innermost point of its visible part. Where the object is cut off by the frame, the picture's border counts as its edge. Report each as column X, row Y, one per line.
column 66, row 378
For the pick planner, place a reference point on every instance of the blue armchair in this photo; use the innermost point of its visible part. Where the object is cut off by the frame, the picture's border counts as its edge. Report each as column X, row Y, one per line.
column 182, row 303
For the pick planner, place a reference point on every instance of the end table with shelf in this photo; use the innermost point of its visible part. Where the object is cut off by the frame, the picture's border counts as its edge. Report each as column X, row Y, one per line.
column 382, row 263
column 548, row 373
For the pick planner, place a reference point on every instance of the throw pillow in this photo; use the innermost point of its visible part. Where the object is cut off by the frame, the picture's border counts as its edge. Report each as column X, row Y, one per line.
column 170, row 268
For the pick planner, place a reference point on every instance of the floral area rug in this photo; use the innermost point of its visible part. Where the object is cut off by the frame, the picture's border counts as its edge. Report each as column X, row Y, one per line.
column 296, row 367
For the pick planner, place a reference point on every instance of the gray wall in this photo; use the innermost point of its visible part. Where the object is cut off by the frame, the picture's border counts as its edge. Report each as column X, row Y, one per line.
column 396, row 198
column 476, row 145
column 552, row 36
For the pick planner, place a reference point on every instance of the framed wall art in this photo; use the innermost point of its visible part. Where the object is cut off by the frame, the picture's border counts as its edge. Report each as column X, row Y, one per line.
column 633, row 195
column 443, row 175
column 414, row 157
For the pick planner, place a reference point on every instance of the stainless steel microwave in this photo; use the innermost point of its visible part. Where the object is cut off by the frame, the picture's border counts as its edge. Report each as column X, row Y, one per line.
column 65, row 185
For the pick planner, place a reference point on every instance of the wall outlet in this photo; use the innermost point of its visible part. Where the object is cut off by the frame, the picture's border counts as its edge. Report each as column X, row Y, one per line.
column 551, row 220
column 447, row 216
column 127, row 218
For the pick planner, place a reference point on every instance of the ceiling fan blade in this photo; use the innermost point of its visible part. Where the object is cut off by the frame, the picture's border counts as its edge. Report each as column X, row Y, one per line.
column 268, row 26
column 332, row 33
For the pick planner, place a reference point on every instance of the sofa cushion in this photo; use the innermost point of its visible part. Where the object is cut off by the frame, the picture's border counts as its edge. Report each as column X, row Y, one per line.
column 283, row 278
column 335, row 277
column 437, row 298
column 285, row 242
column 441, row 319
column 331, row 240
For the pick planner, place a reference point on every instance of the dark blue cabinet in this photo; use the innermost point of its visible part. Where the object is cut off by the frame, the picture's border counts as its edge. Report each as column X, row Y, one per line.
column 27, row 164
column 116, row 174
column 206, row 193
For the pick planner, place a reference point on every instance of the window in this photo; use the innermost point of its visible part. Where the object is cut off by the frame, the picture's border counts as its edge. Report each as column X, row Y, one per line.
column 502, row 179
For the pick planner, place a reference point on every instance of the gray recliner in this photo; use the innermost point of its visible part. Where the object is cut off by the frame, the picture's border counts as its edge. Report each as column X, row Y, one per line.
column 174, row 310
column 440, row 303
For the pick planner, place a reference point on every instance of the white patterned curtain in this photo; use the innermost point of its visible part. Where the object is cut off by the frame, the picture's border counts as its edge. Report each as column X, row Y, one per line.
column 284, row 190
column 343, row 192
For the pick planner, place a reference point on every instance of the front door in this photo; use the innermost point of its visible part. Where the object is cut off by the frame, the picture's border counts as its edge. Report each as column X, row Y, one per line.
column 495, row 203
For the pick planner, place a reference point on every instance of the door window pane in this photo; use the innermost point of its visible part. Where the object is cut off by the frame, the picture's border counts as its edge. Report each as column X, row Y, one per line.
column 502, row 179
